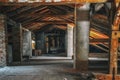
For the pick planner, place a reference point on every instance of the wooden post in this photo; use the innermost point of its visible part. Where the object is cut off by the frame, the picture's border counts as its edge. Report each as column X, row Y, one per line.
column 114, row 44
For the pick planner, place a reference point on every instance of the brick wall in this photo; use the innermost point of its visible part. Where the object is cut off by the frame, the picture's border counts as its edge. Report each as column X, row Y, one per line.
column 2, row 41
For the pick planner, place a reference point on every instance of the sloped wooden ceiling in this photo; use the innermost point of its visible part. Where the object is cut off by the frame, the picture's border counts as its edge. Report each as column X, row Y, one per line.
column 35, row 17
column 46, row 17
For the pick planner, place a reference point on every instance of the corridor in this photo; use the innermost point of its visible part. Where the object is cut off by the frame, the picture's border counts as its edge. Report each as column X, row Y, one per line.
column 52, row 71
column 59, row 39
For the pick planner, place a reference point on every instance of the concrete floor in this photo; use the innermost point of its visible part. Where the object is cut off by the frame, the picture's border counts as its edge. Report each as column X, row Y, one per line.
column 61, row 71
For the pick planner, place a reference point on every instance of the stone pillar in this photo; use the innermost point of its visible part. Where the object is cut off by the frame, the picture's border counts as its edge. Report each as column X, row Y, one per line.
column 82, row 37
column 27, row 43
column 69, row 40
column 17, row 43
column 2, row 41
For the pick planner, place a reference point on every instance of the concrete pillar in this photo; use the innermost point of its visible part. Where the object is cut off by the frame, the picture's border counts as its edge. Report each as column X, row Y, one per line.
column 66, row 42
column 74, row 47
column 27, row 43
column 82, row 37
column 17, row 43
column 9, row 54
column 69, row 40
column 2, row 41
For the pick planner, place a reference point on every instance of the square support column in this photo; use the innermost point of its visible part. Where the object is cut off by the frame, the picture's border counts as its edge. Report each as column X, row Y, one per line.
column 27, row 43
column 70, row 40
column 82, row 37
column 17, row 43
column 2, row 41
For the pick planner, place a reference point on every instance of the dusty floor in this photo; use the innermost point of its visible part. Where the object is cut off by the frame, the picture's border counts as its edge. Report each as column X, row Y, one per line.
column 59, row 71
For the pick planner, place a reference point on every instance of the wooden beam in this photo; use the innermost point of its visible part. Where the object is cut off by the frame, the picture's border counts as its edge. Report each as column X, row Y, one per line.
column 63, row 17
column 66, row 1
column 36, row 3
column 97, row 34
column 10, row 21
column 106, row 45
column 60, row 27
column 101, row 29
column 8, row 9
column 114, row 44
column 29, row 13
column 60, row 15
column 95, row 1
column 53, row 22
column 99, row 40
column 100, row 47
column 22, row 10
column 36, row 27
column 42, row 28
column 100, row 76
column 34, row 17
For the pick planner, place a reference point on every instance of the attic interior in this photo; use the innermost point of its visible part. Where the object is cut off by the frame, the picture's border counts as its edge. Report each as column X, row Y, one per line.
column 49, row 31
column 35, row 33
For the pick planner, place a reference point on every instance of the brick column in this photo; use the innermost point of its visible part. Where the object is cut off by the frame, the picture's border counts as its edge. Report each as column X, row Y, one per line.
column 2, row 41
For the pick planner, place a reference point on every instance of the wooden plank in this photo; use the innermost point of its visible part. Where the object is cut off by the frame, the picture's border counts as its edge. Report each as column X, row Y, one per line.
column 106, row 77
column 7, row 2
column 36, row 3
column 100, row 48
column 34, row 17
column 28, row 13
column 99, row 40
column 58, row 1
column 53, row 22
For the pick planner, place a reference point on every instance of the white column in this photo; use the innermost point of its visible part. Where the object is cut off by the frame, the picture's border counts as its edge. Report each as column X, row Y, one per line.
column 82, row 37
column 27, row 44
column 69, row 40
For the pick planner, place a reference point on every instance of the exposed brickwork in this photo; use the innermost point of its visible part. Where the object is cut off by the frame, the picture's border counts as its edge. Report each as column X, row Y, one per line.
column 2, row 41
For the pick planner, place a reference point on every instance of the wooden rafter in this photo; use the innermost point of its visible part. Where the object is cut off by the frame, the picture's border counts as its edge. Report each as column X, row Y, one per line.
column 30, row 13
column 22, row 11
column 101, row 48
column 99, row 40
column 96, row 34
column 34, row 17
